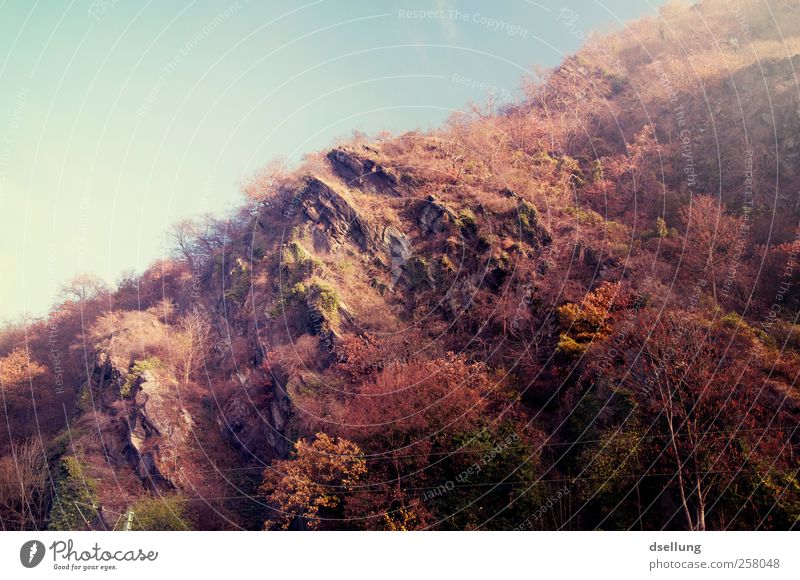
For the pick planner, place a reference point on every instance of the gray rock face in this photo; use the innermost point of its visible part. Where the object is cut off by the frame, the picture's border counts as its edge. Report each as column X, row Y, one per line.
column 337, row 220
column 358, row 170
column 331, row 212
column 399, row 251
column 434, row 216
column 254, row 421
column 160, row 432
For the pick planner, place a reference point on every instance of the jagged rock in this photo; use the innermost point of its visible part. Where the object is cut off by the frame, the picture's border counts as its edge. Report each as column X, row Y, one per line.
column 459, row 297
column 399, row 251
column 336, row 220
column 506, row 192
column 254, row 421
column 360, row 171
column 330, row 211
column 434, row 216
column 160, row 430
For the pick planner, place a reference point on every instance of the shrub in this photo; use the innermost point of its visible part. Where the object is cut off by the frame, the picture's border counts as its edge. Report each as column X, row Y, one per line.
column 571, row 167
column 295, row 259
column 528, row 215
column 319, row 295
column 569, row 348
column 661, row 228
column 590, row 319
column 466, row 220
column 446, row 264
column 84, row 401
column 239, row 285
column 584, row 216
column 735, row 322
column 326, row 299
column 74, row 497
column 167, row 513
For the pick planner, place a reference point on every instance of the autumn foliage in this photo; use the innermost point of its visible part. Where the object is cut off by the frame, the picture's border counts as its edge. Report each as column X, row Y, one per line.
column 574, row 311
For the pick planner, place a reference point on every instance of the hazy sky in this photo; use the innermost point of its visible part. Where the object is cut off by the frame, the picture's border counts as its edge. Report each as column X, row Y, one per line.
column 117, row 118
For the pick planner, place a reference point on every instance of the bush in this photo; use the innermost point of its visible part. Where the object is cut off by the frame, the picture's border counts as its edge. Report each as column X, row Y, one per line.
column 326, row 299
column 661, row 228
column 319, row 295
column 74, row 498
column 467, row 220
column 296, row 260
column 84, row 400
column 567, row 347
column 735, row 322
column 161, row 514
column 585, row 216
column 239, row 285
column 528, row 217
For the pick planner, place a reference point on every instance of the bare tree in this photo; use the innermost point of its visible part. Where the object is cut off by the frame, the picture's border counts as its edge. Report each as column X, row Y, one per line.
column 23, row 486
column 195, row 239
column 710, row 238
column 195, row 341
column 84, row 288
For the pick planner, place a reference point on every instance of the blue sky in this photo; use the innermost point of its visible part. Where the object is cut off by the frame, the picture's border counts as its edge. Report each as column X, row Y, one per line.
column 118, row 118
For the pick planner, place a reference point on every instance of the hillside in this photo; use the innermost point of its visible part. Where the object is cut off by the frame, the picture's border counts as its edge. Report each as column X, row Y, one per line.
column 573, row 312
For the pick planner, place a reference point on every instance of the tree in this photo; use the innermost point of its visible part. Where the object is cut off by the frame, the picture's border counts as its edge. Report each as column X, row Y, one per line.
column 410, row 406
column 127, row 336
column 84, row 288
column 591, row 319
column 710, row 240
column 193, row 341
column 23, row 486
column 315, row 482
column 196, row 239
column 17, row 369
column 267, row 182
column 407, row 415
column 612, row 468
column 693, row 381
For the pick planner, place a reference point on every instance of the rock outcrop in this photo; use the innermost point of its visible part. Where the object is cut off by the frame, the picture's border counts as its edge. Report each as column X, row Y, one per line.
column 160, row 430
column 254, row 417
column 434, row 216
column 359, row 171
column 335, row 216
column 336, row 220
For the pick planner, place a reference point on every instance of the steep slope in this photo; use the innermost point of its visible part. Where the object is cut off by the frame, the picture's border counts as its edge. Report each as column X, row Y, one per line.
column 454, row 329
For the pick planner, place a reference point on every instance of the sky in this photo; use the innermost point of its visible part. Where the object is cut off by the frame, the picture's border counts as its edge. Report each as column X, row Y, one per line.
column 120, row 118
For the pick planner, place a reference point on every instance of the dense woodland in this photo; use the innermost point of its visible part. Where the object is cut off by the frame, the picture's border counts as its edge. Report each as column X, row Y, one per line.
column 576, row 311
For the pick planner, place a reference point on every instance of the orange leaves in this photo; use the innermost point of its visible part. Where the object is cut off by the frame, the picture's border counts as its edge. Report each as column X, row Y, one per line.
column 589, row 320
column 318, row 478
column 18, row 367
